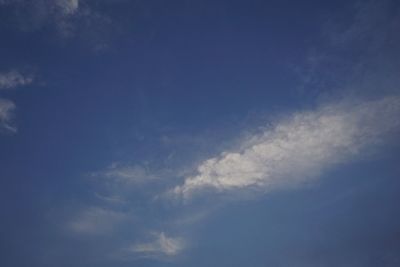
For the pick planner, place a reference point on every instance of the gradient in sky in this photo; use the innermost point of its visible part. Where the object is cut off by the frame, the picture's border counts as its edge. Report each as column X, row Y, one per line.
column 199, row 133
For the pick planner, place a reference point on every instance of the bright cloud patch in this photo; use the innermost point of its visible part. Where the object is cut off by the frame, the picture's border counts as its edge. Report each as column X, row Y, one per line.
column 297, row 148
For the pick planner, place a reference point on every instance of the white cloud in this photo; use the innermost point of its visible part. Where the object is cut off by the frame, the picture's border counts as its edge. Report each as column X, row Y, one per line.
column 297, row 148
column 14, row 79
column 7, row 108
column 96, row 220
column 161, row 246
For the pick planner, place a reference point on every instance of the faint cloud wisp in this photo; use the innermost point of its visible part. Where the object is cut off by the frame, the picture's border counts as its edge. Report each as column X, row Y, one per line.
column 13, row 79
column 7, row 108
column 96, row 221
column 160, row 247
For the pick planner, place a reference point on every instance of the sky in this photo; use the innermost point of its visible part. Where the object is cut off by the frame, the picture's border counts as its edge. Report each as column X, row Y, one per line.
column 199, row 133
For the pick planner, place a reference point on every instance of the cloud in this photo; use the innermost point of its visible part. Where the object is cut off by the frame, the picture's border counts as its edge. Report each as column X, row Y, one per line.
column 14, row 79
column 161, row 246
column 95, row 221
column 297, row 148
column 125, row 174
column 7, row 108
column 355, row 55
column 370, row 27
column 293, row 151
column 67, row 7
column 68, row 19
column 10, row 80
column 118, row 183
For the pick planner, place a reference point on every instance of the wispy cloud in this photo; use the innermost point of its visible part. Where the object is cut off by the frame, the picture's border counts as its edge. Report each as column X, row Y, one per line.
column 68, row 19
column 67, row 6
column 357, row 55
column 96, row 221
column 291, row 152
column 125, row 174
column 46, row 7
column 117, row 183
column 297, row 148
column 161, row 246
column 13, row 79
column 7, row 108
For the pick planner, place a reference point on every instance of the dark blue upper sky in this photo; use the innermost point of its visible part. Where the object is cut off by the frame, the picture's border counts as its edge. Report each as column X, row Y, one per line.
column 199, row 133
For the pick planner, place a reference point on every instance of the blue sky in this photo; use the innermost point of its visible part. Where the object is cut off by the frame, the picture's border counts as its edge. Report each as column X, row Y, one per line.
column 199, row 133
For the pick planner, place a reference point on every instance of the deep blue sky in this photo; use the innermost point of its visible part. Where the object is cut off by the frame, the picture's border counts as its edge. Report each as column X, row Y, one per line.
column 199, row 133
